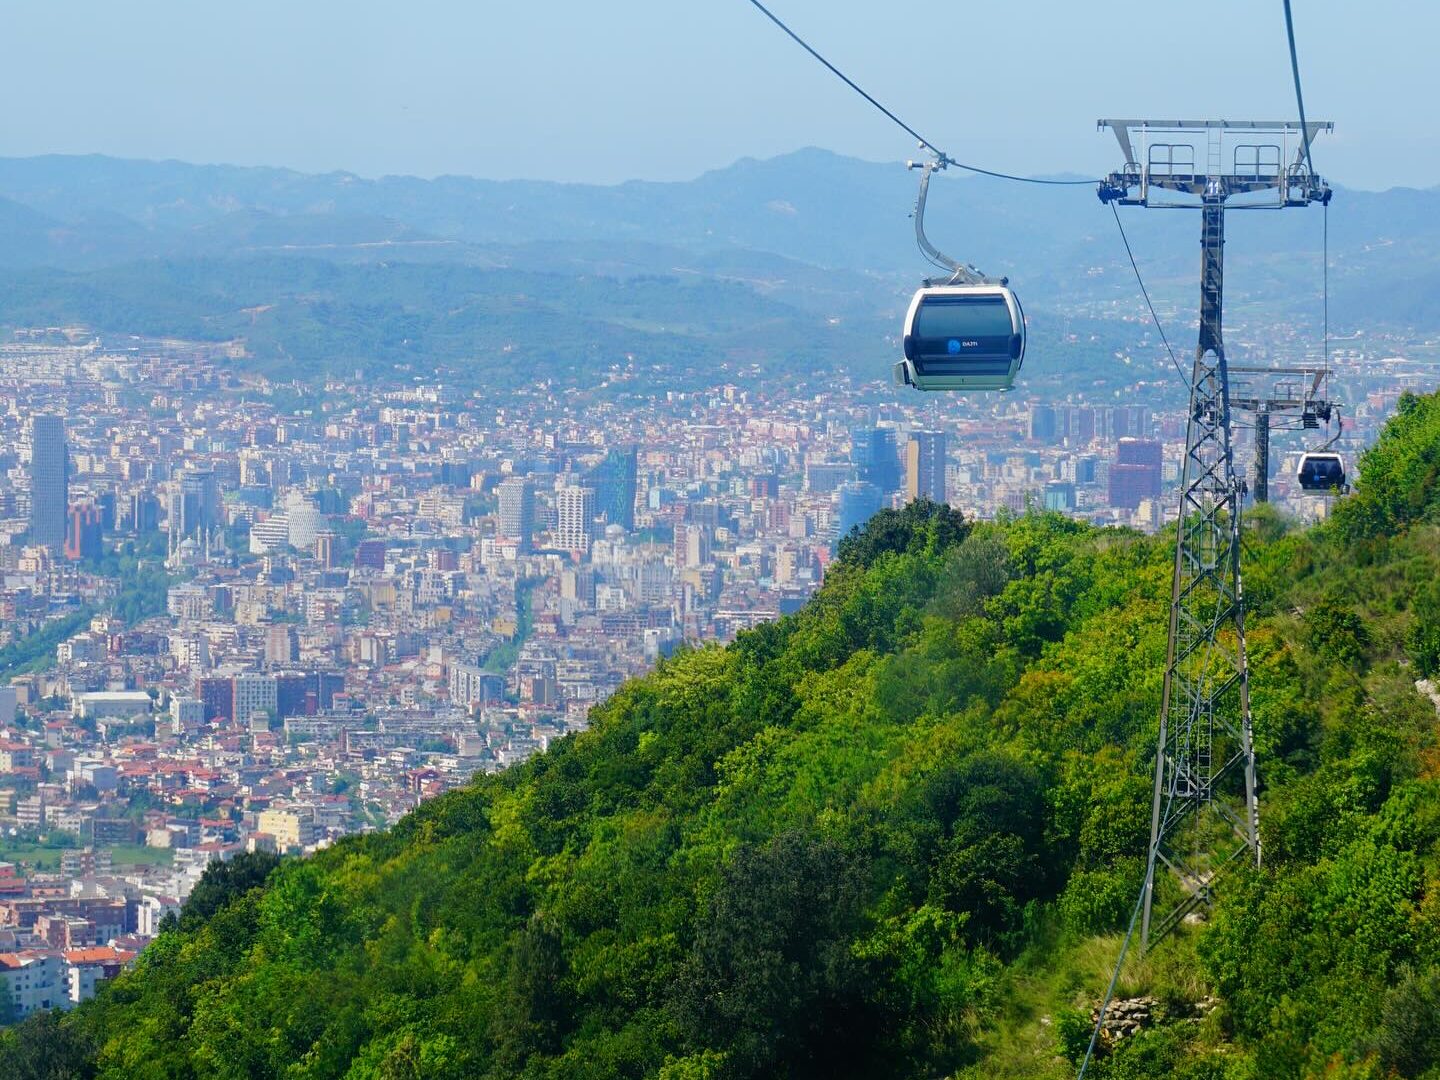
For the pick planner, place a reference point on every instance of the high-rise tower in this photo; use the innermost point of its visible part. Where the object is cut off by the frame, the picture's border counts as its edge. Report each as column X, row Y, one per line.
column 876, row 460
column 858, row 503
column 576, row 513
column 48, row 482
column 516, row 519
column 925, row 466
column 614, row 481
column 194, row 507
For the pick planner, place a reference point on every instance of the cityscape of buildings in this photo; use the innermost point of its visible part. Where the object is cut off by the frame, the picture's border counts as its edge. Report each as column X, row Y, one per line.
column 273, row 614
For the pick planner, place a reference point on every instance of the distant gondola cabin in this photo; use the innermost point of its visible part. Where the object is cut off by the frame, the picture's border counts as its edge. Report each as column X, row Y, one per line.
column 1321, row 471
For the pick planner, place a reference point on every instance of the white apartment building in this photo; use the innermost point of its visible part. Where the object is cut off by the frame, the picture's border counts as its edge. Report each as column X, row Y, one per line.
column 36, row 979
column 575, row 507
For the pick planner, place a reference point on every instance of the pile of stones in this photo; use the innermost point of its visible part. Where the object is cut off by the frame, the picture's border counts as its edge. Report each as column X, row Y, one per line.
column 1125, row 1017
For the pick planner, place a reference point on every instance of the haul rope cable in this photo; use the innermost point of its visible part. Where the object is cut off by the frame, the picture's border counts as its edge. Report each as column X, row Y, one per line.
column 941, row 156
column 1310, row 164
column 1146, row 293
column 1299, row 97
column 1325, row 273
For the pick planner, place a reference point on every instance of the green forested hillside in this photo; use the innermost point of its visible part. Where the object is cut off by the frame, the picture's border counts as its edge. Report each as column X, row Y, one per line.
column 896, row 834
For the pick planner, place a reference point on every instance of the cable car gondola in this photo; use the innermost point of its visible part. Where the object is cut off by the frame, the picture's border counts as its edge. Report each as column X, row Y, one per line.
column 964, row 333
column 1322, row 472
column 964, row 337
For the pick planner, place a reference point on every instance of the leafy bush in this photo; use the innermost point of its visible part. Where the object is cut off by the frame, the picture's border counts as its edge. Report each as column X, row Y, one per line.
column 1101, row 901
column 1409, row 1037
column 1423, row 639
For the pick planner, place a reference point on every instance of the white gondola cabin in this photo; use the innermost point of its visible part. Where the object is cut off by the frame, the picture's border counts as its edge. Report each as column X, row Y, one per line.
column 963, row 337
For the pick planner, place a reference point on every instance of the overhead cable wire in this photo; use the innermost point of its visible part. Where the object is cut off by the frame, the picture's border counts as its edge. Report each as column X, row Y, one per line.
column 1146, row 294
column 931, row 258
column 1299, row 97
column 1325, row 276
column 1010, row 176
column 925, row 143
column 1310, row 164
column 1114, row 978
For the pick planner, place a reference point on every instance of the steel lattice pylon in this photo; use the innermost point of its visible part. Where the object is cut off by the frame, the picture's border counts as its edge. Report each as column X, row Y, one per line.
column 1204, row 816
column 1205, row 703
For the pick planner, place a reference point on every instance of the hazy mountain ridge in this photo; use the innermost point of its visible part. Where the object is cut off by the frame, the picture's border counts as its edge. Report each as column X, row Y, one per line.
column 821, row 236
column 813, row 206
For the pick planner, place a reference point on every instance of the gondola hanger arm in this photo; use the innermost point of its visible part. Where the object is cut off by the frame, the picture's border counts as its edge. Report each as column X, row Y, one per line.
column 961, row 273
column 1339, row 430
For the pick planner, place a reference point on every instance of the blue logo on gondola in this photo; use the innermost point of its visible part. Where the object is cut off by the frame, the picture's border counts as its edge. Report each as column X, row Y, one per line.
column 953, row 345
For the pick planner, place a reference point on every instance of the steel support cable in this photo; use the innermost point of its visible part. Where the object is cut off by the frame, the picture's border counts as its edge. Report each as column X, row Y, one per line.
column 1310, row 164
column 930, row 258
column 1325, row 277
column 1146, row 294
column 1115, row 976
column 924, row 142
column 1010, row 176
column 1299, row 97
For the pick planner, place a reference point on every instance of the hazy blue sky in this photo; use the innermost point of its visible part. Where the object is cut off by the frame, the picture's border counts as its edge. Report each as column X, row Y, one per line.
column 668, row 88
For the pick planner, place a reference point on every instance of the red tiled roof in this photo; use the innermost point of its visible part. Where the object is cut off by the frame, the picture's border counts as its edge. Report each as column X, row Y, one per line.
column 100, row 954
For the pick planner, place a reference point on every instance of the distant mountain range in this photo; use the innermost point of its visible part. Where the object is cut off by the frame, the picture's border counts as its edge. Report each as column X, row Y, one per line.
column 803, row 239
